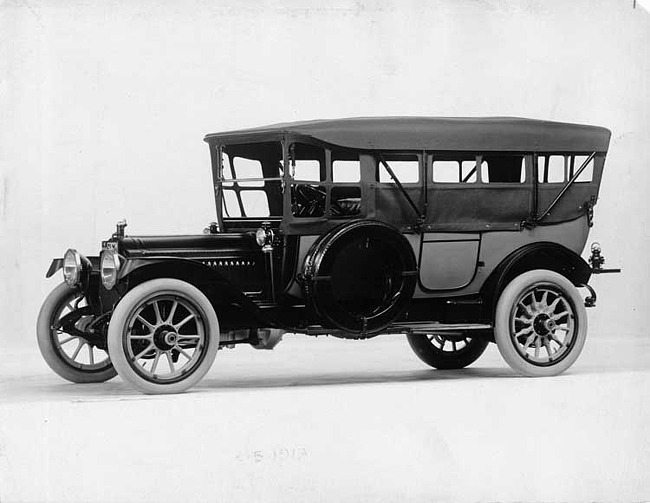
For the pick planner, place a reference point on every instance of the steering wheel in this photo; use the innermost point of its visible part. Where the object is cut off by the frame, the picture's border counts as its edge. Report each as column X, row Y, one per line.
column 309, row 200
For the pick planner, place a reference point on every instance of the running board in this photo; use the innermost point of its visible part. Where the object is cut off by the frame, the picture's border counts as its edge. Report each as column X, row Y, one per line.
column 432, row 328
column 419, row 328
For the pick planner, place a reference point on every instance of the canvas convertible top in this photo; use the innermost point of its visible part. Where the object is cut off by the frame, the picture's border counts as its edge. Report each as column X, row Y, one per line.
column 504, row 134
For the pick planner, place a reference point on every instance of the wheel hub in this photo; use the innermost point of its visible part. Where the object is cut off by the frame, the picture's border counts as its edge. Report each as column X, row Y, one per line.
column 165, row 337
column 543, row 324
column 170, row 338
column 84, row 323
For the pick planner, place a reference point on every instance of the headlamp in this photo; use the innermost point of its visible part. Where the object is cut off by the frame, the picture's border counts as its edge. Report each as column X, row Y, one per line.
column 109, row 267
column 72, row 267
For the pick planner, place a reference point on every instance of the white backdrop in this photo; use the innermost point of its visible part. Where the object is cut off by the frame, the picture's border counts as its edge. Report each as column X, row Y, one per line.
column 103, row 106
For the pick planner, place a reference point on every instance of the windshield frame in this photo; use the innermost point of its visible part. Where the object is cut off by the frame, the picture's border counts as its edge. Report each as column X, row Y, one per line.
column 221, row 182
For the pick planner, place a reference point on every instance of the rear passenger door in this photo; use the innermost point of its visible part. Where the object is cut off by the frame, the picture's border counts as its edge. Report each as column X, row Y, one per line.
column 468, row 195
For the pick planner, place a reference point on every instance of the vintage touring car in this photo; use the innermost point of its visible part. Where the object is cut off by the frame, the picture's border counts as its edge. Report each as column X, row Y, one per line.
column 456, row 232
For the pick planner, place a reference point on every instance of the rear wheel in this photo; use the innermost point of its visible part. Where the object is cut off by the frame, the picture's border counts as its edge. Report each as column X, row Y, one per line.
column 447, row 351
column 71, row 339
column 540, row 323
column 163, row 336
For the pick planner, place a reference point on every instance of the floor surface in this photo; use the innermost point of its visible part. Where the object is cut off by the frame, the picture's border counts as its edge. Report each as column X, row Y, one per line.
column 331, row 420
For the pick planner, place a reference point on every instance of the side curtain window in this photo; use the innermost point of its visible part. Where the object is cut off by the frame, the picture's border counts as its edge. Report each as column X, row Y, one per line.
column 463, row 169
column 556, row 168
column 405, row 167
column 503, row 169
column 345, row 196
column 455, row 170
column 317, row 191
column 308, row 176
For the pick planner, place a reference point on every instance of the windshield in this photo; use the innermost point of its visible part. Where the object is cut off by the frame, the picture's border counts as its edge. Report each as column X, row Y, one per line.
column 250, row 180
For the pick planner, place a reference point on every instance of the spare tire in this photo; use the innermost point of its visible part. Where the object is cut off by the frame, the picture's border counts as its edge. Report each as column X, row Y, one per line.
column 359, row 277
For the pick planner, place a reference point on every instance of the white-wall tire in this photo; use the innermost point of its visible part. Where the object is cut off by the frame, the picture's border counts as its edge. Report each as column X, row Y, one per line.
column 540, row 323
column 72, row 356
column 163, row 336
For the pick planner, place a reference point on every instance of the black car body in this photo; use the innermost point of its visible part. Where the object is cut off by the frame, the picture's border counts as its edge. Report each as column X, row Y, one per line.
column 356, row 227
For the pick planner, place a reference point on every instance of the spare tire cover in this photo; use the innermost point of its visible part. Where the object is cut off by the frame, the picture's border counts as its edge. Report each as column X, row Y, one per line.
column 360, row 276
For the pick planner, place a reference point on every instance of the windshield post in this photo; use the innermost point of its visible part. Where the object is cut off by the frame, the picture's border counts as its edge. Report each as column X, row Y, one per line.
column 292, row 157
column 425, row 178
column 286, row 178
column 215, row 156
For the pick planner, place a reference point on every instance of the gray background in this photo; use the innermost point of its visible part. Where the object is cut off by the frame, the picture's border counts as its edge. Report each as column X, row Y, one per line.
column 103, row 109
column 104, row 106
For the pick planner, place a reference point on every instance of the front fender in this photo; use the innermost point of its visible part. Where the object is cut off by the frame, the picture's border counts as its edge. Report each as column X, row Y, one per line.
column 56, row 264
column 221, row 292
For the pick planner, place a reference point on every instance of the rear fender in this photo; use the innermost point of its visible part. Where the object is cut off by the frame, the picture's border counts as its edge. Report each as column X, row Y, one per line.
column 544, row 255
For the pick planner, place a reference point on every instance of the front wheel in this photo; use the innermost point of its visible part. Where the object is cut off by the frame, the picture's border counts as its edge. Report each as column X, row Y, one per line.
column 540, row 323
column 163, row 336
column 447, row 351
column 72, row 339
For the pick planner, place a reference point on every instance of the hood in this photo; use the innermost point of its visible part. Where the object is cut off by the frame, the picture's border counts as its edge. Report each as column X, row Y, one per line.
column 190, row 246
